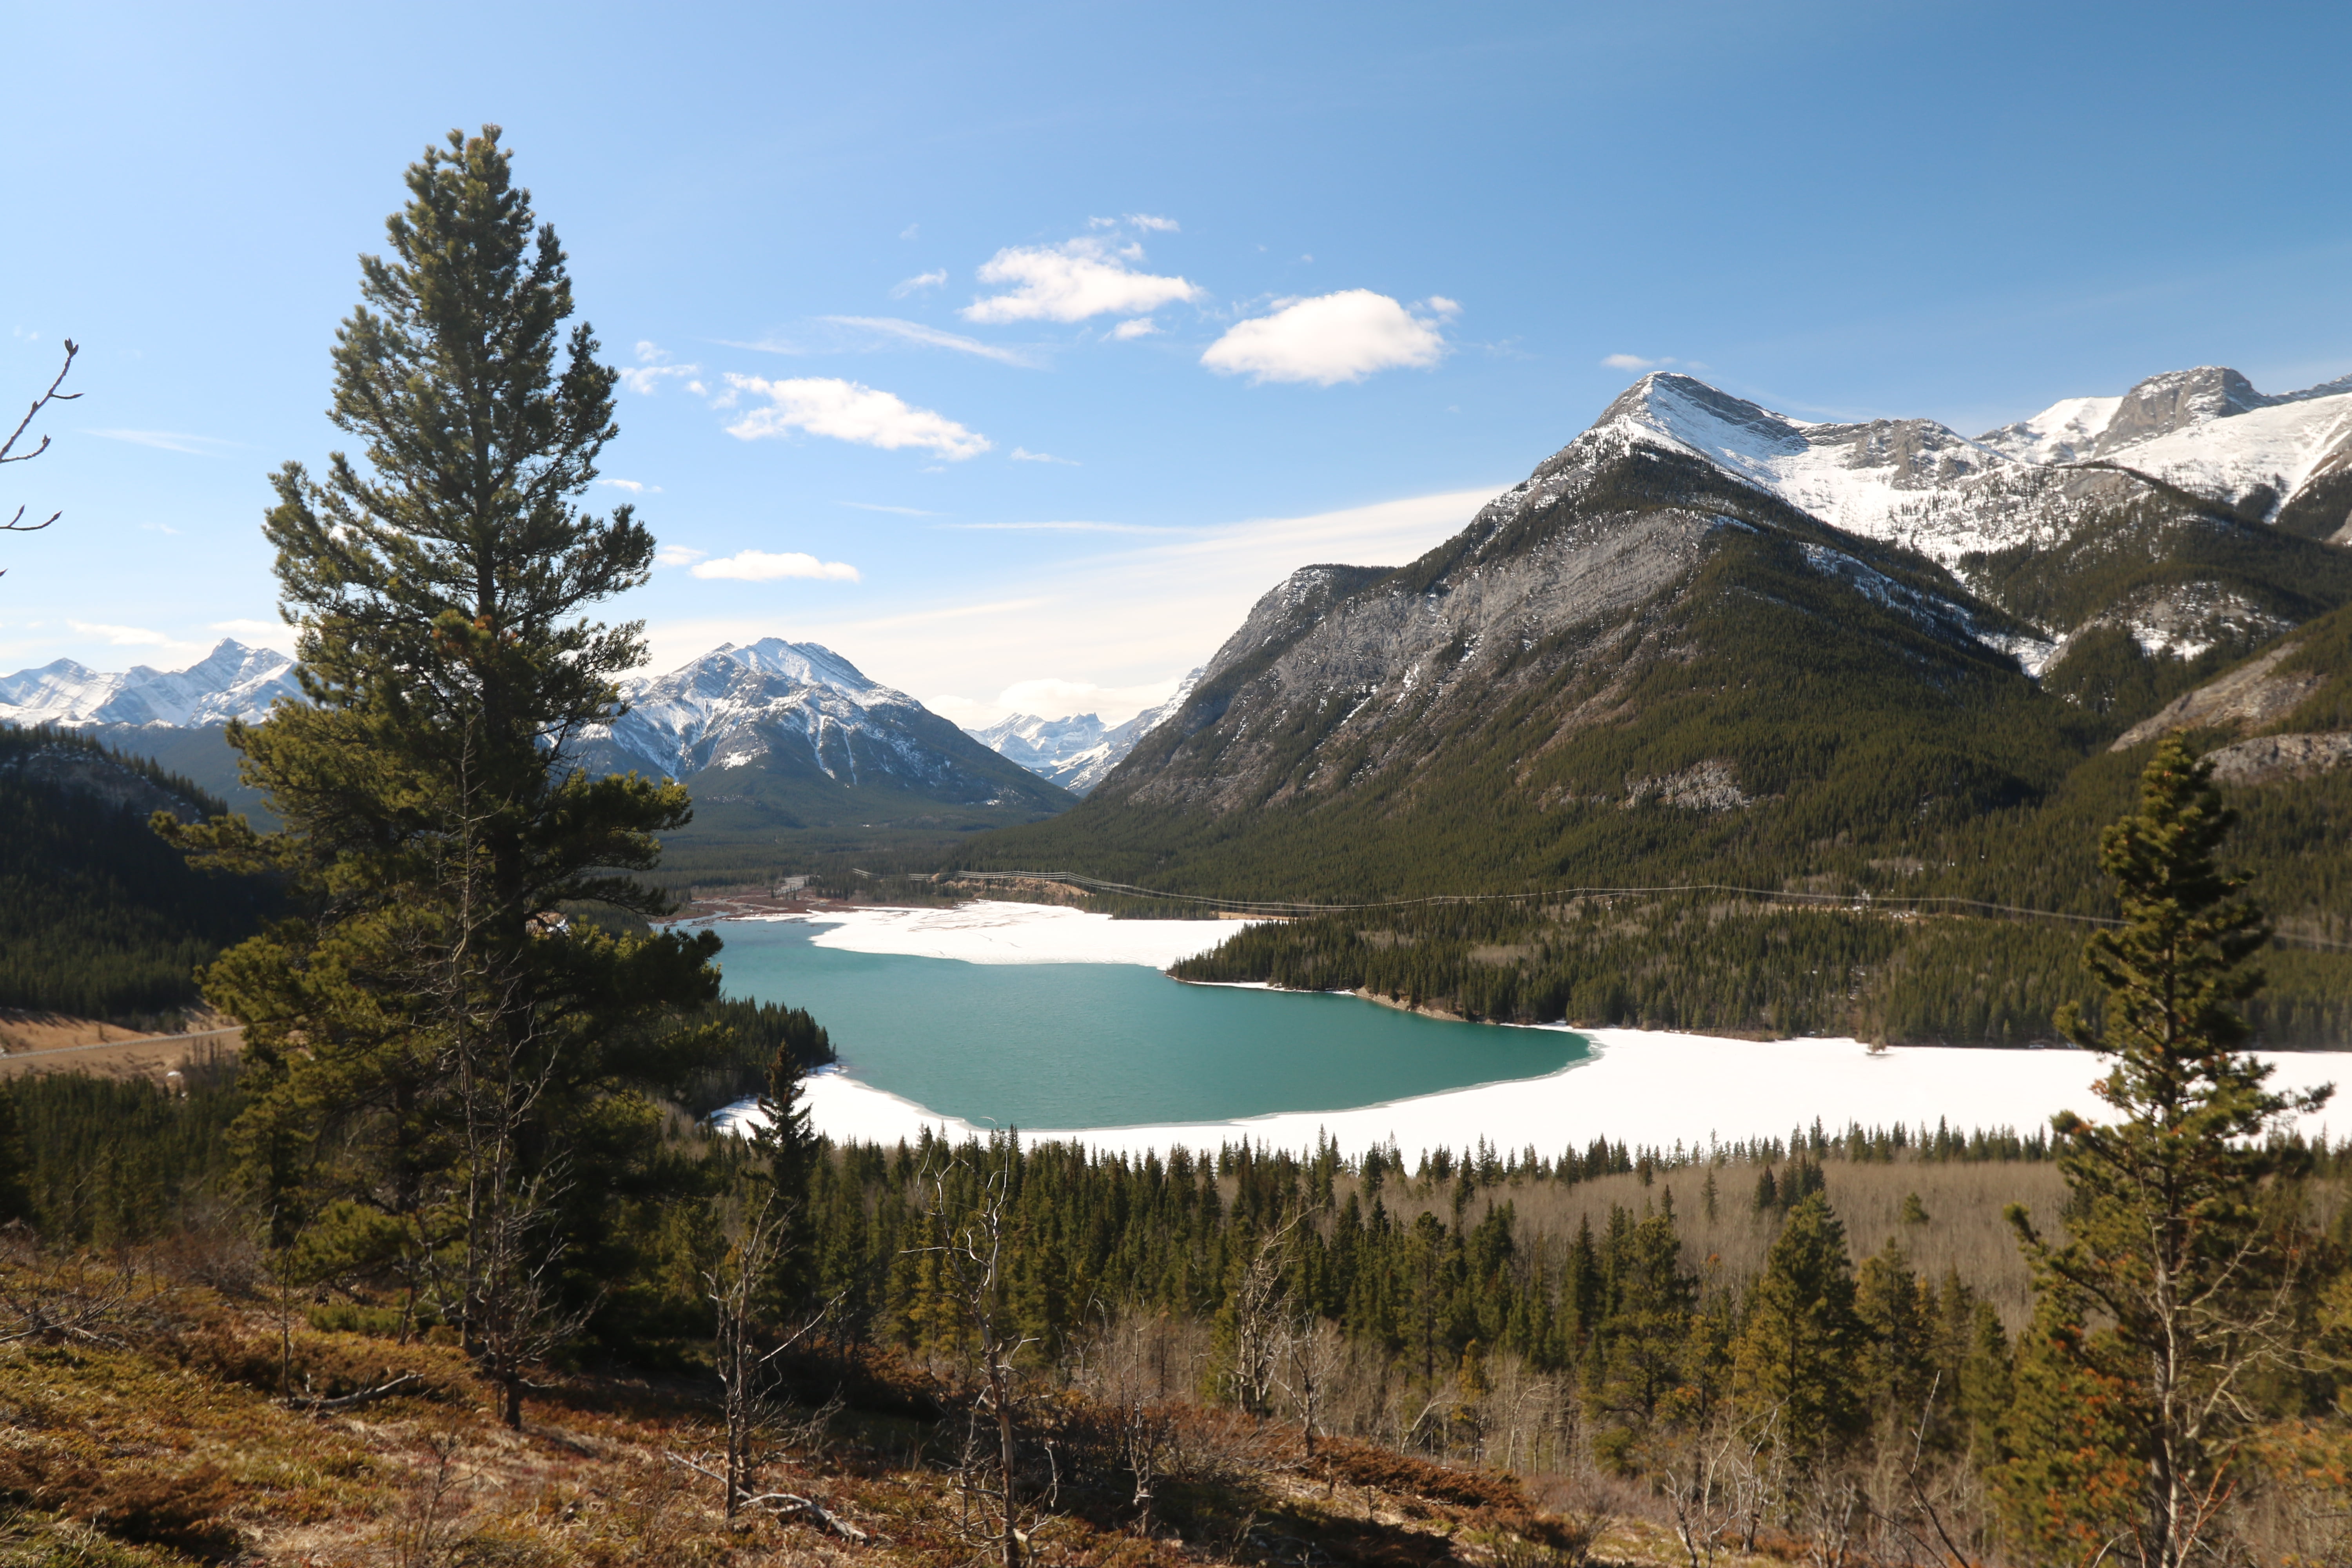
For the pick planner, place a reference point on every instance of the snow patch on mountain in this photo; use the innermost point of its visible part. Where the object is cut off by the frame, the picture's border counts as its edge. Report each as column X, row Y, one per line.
column 2278, row 448
column 1075, row 752
column 232, row 681
column 2066, row 432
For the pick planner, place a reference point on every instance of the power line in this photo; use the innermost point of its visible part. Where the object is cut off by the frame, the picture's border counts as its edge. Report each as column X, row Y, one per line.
column 1859, row 904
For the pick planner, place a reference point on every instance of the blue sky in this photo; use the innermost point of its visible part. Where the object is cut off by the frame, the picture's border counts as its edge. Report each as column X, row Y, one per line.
column 1390, row 257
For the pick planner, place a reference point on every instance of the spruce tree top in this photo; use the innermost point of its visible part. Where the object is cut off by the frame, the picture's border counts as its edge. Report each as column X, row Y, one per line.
column 458, row 553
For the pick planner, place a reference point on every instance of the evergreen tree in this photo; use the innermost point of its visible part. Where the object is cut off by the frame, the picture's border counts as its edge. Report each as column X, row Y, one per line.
column 432, row 1042
column 15, row 1166
column 2167, row 1238
column 1898, row 1367
column 1795, row 1361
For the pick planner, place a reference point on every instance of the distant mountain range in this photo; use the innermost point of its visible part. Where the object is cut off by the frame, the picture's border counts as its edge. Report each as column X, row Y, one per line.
column 1779, row 632
column 1708, row 638
column 1077, row 752
column 788, row 748
column 232, row 681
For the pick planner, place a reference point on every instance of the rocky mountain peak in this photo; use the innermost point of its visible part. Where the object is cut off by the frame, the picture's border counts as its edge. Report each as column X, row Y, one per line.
column 232, row 681
column 2177, row 400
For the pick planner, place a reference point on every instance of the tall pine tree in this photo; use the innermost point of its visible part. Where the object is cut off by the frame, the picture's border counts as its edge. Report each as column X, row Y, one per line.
column 433, row 1045
column 2173, row 1284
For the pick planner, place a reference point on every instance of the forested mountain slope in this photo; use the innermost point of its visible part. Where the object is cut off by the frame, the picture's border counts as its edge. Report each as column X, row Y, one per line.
column 1641, row 669
column 97, row 917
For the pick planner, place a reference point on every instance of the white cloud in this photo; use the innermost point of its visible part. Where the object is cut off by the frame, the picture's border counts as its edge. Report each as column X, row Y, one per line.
column 1635, row 362
column 1119, row 613
column 931, row 337
column 847, row 411
column 652, row 368
column 678, row 555
column 1071, row 281
column 159, row 528
column 919, row 281
column 1326, row 340
column 898, row 511
column 760, row 567
column 167, row 440
column 910, row 231
column 1444, row 309
column 1127, row 331
column 634, row 486
column 1157, row 224
column 1023, row 454
column 126, row 636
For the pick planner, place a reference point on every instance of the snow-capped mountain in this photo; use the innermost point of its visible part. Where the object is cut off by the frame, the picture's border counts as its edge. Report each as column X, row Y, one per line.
column 1041, row 746
column 1922, row 484
column 776, row 712
column 232, row 681
column 1075, row 752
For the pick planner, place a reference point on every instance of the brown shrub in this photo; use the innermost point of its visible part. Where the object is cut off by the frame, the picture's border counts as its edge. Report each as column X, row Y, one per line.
column 142, row 1502
column 1387, row 1471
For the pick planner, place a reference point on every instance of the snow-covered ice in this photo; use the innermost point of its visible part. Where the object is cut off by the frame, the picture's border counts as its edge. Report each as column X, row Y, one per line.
column 1638, row 1087
column 993, row 932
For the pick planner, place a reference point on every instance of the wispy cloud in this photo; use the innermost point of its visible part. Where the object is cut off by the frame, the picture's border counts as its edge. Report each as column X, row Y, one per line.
column 848, row 411
column 1633, row 361
column 1072, row 281
column 655, row 367
column 1127, row 331
column 761, row 566
column 1117, row 612
column 167, row 441
column 931, row 337
column 1023, row 454
column 678, row 555
column 895, row 510
column 1060, row 528
column 159, row 528
column 918, row 282
column 1328, row 339
column 1158, row 224
column 633, row 486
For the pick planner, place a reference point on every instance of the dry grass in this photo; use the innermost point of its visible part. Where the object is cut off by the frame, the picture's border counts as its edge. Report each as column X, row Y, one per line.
column 1963, row 1200
column 161, row 1440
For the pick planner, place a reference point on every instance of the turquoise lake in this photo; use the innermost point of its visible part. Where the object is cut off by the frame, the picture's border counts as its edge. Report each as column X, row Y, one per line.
column 1112, row 1044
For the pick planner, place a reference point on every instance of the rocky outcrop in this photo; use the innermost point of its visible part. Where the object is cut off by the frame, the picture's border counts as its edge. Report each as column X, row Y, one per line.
column 2268, row 758
column 2247, row 697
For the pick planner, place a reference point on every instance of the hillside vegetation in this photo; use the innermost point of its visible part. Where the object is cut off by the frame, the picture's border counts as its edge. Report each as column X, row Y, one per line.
column 97, row 916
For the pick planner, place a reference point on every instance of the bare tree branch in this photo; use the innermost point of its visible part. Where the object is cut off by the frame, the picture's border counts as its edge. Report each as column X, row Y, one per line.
column 8, row 453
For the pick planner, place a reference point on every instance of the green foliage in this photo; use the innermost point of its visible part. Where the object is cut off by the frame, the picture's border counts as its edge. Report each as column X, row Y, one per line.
column 111, row 1162
column 753, row 1033
column 2170, row 1251
column 98, row 919
column 454, row 1087
column 1795, row 1360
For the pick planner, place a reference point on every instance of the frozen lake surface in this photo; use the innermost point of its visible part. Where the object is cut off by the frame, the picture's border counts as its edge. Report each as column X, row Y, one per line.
column 1056, row 1020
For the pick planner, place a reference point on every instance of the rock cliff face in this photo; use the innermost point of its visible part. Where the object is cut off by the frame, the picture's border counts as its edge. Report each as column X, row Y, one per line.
column 1557, row 594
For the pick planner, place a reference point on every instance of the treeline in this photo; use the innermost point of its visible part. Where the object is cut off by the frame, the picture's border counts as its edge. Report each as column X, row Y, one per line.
column 97, row 916
column 1722, row 963
column 1720, row 1307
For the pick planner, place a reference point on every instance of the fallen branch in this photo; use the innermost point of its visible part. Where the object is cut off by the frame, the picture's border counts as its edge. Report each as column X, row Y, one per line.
column 778, row 1505
column 400, row 1385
